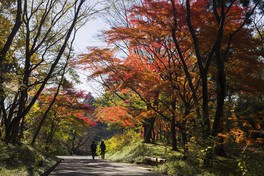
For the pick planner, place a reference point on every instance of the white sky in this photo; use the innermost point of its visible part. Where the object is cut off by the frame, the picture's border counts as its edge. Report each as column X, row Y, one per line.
column 87, row 36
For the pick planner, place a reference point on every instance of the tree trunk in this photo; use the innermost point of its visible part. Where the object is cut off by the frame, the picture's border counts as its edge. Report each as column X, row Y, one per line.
column 13, row 33
column 221, row 91
column 206, row 121
column 160, row 131
column 184, row 138
column 3, row 53
column 12, row 130
column 153, row 139
column 173, row 134
column 219, row 113
column 22, row 129
column 148, row 128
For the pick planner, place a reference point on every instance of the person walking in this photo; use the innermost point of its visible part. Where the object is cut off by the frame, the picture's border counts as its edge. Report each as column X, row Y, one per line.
column 103, row 147
column 93, row 149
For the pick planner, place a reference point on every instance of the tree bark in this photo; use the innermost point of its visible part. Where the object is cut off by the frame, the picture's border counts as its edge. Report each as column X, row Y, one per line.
column 221, row 91
column 173, row 134
column 148, row 129
column 13, row 33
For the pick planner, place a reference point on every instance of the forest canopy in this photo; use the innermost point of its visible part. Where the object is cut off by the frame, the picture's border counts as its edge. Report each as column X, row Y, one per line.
column 180, row 71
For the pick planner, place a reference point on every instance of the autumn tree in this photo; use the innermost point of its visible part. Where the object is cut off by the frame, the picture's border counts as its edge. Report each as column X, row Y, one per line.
column 179, row 52
column 66, row 122
column 136, row 74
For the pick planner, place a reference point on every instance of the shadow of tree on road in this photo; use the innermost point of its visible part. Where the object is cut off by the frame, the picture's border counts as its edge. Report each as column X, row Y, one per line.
column 82, row 167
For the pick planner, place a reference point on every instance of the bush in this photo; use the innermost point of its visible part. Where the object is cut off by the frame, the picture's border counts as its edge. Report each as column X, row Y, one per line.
column 177, row 168
column 23, row 160
column 251, row 163
column 117, row 142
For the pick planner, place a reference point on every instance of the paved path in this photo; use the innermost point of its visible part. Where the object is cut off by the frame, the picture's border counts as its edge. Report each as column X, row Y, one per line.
column 85, row 165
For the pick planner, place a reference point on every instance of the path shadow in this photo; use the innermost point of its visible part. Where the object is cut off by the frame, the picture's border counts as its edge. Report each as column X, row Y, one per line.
column 97, row 167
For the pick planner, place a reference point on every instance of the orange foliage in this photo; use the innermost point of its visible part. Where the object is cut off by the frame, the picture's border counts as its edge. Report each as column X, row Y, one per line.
column 153, row 67
column 68, row 105
column 115, row 115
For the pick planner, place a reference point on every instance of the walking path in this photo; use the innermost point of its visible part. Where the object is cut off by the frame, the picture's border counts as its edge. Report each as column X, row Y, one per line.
column 85, row 165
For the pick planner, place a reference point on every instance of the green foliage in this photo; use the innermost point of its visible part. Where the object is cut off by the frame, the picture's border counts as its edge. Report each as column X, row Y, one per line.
column 178, row 168
column 23, row 160
column 125, row 148
column 251, row 163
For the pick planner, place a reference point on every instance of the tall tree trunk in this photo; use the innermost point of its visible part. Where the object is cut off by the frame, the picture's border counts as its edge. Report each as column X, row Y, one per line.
column 184, row 139
column 13, row 131
column 13, row 128
column 219, row 113
column 22, row 129
column 12, row 35
column 221, row 91
column 220, row 84
column 6, row 47
column 153, row 138
column 206, row 121
column 160, row 131
column 173, row 134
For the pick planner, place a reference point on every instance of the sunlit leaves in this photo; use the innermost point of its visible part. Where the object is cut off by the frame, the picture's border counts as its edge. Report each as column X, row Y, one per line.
column 168, row 79
column 115, row 115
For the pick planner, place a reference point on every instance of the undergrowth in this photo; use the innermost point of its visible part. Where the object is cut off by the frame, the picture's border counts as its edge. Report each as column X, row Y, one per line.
column 130, row 148
column 23, row 160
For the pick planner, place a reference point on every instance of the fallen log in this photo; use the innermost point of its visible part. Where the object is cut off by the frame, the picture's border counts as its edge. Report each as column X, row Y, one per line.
column 154, row 160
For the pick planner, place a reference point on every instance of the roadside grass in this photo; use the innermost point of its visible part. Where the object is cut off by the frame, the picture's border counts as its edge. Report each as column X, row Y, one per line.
column 134, row 151
column 137, row 151
column 175, row 164
column 23, row 160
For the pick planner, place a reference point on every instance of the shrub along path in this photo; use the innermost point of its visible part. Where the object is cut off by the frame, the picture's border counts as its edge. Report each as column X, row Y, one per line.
column 85, row 165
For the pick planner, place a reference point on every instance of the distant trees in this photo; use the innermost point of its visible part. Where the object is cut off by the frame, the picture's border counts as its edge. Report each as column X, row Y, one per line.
column 66, row 123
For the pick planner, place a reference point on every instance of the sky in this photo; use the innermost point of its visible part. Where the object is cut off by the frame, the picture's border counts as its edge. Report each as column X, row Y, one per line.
column 87, row 36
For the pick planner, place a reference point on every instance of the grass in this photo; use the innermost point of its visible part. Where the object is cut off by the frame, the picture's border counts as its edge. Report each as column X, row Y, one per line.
column 175, row 165
column 23, row 160
column 135, row 153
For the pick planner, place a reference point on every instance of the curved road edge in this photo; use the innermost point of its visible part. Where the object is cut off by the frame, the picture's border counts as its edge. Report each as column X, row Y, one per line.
column 48, row 171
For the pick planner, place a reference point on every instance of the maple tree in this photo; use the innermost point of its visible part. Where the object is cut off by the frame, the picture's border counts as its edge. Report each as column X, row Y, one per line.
column 177, row 54
column 66, row 121
column 136, row 67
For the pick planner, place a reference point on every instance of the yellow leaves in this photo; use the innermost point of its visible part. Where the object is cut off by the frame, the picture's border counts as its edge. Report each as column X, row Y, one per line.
column 191, row 116
column 5, row 26
column 35, row 58
column 119, row 140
